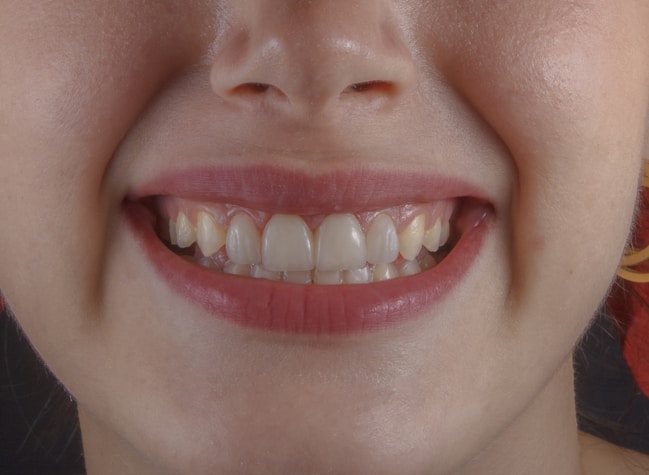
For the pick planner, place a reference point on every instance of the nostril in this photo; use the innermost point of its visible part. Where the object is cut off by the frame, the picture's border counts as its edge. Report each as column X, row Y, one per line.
column 386, row 88
column 250, row 88
column 253, row 92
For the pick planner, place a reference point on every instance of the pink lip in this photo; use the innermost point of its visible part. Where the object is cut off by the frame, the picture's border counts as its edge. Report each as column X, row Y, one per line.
column 308, row 309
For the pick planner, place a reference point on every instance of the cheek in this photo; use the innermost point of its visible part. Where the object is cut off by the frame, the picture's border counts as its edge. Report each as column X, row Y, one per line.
column 67, row 104
column 568, row 101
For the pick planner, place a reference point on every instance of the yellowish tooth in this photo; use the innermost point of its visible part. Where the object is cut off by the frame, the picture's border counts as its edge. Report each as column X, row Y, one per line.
column 260, row 272
column 173, row 239
column 340, row 243
column 357, row 276
column 299, row 277
column 432, row 235
column 242, row 241
column 185, row 232
column 209, row 235
column 328, row 277
column 382, row 241
column 445, row 234
column 384, row 272
column 287, row 244
column 412, row 238
column 410, row 268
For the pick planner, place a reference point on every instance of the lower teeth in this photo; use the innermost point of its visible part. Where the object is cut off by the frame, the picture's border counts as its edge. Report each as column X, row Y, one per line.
column 219, row 262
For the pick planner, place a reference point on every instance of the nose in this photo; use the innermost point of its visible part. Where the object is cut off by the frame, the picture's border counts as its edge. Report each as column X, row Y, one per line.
column 310, row 55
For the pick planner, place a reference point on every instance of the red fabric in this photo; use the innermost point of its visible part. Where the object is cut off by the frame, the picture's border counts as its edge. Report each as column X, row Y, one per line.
column 629, row 303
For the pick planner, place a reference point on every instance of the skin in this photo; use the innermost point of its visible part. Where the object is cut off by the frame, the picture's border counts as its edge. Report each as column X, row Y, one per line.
column 543, row 105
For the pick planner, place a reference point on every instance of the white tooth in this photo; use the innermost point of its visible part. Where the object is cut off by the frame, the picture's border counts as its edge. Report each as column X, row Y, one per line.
column 340, row 243
column 384, row 272
column 446, row 233
column 185, row 232
column 261, row 273
column 410, row 268
column 173, row 239
column 427, row 262
column 209, row 235
column 357, row 276
column 298, row 277
column 382, row 241
column 236, row 269
column 328, row 277
column 287, row 244
column 412, row 238
column 242, row 242
column 432, row 235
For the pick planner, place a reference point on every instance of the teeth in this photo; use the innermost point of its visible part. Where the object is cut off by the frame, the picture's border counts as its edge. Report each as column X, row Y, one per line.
column 382, row 241
column 185, row 232
column 432, row 237
column 410, row 268
column 340, row 243
column 339, row 252
column 384, row 272
column 328, row 277
column 412, row 238
column 237, row 269
column 446, row 233
column 173, row 239
column 242, row 241
column 298, row 277
column 357, row 276
column 209, row 235
column 261, row 273
column 287, row 244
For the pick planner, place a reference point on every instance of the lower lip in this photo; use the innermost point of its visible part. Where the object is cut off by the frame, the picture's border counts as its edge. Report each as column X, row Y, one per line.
column 310, row 309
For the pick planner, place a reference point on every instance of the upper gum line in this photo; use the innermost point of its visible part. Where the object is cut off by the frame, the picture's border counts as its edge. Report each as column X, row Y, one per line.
column 169, row 208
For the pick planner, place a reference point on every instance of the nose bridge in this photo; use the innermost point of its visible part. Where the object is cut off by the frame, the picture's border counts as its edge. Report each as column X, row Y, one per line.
column 314, row 52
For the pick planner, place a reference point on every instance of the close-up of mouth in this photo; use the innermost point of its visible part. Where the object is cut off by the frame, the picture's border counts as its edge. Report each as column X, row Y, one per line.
column 323, row 261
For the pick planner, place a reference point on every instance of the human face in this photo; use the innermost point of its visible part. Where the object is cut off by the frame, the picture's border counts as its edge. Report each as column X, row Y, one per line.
column 526, row 117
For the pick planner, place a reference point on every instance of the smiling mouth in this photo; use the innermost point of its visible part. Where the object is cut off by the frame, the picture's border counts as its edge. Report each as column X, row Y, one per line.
column 318, row 249
column 309, row 254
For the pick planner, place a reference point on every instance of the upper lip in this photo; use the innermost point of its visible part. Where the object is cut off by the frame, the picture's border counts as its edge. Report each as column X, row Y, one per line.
column 282, row 190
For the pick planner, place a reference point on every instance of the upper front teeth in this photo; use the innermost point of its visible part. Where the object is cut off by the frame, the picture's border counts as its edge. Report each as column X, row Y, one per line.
column 345, row 248
column 287, row 244
column 340, row 243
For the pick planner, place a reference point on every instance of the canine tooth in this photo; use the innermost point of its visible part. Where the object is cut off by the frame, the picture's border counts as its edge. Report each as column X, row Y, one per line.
column 432, row 235
column 173, row 239
column 287, row 244
column 242, row 242
column 384, row 272
column 357, row 276
column 446, row 233
column 261, row 273
column 209, row 235
column 412, row 238
column 382, row 241
column 340, row 243
column 410, row 268
column 298, row 277
column 237, row 269
column 185, row 232
column 328, row 277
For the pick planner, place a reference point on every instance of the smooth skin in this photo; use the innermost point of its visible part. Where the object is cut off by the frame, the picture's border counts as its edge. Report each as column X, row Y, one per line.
column 541, row 105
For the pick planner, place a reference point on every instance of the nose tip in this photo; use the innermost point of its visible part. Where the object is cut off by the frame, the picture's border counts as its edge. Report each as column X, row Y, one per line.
column 315, row 56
